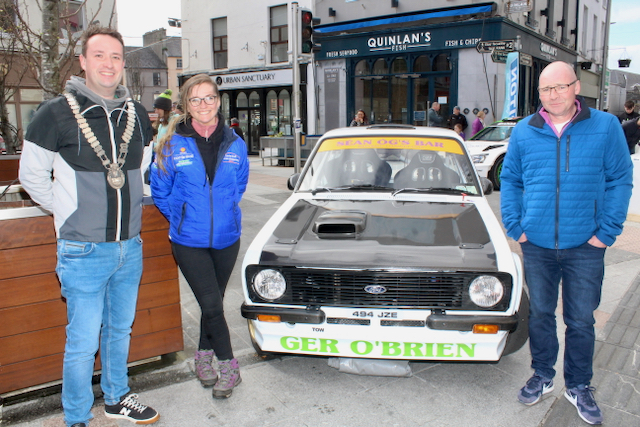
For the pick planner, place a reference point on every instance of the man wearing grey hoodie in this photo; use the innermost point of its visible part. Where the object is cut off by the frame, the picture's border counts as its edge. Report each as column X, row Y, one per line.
column 81, row 160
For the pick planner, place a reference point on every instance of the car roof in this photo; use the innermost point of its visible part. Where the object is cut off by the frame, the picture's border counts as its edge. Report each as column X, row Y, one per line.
column 391, row 129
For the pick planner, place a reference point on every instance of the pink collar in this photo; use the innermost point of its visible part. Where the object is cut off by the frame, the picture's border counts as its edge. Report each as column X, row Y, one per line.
column 547, row 119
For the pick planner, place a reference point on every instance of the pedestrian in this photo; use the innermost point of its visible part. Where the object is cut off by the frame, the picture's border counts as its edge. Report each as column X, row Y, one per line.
column 457, row 117
column 458, row 129
column 81, row 160
column 629, row 112
column 360, row 119
column 434, row 119
column 566, row 185
column 234, row 124
column 478, row 123
column 163, row 108
column 205, row 220
column 631, row 129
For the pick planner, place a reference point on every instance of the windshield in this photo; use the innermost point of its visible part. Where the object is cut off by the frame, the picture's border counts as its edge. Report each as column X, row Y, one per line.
column 493, row 133
column 390, row 164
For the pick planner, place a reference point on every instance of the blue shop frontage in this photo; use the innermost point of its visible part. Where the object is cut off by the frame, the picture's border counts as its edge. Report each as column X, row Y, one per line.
column 394, row 72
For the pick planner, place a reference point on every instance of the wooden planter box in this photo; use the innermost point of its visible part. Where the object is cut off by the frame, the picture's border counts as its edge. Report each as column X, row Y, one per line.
column 33, row 314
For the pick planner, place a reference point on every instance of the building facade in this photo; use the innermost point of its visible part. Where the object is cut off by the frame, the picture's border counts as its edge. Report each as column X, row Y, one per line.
column 21, row 90
column 392, row 59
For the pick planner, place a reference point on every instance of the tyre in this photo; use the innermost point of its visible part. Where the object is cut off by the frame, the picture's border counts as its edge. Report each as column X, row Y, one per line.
column 494, row 173
column 518, row 338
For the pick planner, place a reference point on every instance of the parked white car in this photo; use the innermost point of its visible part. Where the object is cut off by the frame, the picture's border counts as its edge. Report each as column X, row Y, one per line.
column 387, row 249
column 488, row 148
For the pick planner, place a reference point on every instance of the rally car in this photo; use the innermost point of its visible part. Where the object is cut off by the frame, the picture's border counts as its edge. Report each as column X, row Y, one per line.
column 387, row 249
column 488, row 148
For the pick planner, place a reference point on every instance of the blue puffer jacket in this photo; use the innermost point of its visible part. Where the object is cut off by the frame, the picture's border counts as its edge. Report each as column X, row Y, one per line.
column 562, row 191
column 202, row 214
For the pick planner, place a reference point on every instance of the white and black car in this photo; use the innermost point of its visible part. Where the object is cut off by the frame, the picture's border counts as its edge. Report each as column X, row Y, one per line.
column 387, row 249
column 488, row 148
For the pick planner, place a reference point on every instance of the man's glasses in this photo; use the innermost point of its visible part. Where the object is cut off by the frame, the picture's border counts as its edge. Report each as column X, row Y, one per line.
column 559, row 88
column 209, row 100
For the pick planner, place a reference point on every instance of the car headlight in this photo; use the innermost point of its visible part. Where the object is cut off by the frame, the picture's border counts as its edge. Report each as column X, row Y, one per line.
column 478, row 158
column 269, row 284
column 486, row 291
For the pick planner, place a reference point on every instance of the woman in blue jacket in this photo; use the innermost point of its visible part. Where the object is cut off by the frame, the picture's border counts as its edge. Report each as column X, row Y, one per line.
column 197, row 180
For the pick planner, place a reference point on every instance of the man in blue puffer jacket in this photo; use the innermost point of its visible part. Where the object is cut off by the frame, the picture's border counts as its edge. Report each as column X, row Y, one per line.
column 566, row 185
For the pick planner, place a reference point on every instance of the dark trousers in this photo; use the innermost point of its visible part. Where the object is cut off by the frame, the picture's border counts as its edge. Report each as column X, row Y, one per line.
column 207, row 271
column 581, row 271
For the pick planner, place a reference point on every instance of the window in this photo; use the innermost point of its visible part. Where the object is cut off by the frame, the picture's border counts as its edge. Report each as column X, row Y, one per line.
column 279, row 34
column 585, row 22
column 219, row 30
column 594, row 38
column 8, row 17
column 73, row 20
column 179, row 63
column 156, row 79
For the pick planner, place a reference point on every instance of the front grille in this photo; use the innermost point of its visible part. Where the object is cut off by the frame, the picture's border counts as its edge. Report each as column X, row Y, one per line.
column 316, row 287
column 405, row 323
column 343, row 321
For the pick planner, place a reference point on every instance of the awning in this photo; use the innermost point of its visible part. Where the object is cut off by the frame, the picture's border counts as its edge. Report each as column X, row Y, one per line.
column 403, row 19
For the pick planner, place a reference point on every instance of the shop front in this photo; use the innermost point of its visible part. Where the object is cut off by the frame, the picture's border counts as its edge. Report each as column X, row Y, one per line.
column 260, row 100
column 396, row 74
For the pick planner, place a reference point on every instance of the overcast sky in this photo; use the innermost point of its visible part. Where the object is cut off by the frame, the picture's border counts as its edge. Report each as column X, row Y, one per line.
column 136, row 17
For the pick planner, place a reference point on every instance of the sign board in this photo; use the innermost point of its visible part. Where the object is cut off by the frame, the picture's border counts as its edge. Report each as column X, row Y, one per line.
column 526, row 59
column 489, row 46
column 518, row 6
column 499, row 56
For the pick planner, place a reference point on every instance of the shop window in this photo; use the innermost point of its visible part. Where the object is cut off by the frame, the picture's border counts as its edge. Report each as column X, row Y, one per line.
column 362, row 68
column 279, row 34
column 421, row 64
column 421, row 101
column 442, row 63
column 398, row 97
column 380, row 67
column 284, row 112
column 225, row 105
column 380, row 100
column 254, row 100
column 219, row 31
column 272, row 113
column 242, row 101
column 442, row 88
column 399, row 65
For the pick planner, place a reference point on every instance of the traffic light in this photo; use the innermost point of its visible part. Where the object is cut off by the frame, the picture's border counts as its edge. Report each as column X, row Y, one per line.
column 307, row 21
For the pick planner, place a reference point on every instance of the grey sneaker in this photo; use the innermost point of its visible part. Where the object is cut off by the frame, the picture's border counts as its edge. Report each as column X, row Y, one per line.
column 228, row 379
column 535, row 388
column 205, row 371
column 79, row 425
column 582, row 398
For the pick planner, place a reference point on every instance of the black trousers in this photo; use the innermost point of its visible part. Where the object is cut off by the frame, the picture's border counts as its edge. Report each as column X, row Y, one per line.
column 207, row 271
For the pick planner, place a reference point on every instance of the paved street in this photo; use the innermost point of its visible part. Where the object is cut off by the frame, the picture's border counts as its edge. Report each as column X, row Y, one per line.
column 305, row 391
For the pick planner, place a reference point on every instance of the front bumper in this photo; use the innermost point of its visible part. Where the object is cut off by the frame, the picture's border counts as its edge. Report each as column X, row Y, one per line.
column 384, row 334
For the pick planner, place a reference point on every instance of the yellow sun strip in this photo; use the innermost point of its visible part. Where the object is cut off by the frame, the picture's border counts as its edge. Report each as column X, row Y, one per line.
column 431, row 144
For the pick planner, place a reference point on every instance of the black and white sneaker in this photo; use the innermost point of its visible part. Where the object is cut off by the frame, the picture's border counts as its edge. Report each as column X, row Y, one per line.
column 131, row 410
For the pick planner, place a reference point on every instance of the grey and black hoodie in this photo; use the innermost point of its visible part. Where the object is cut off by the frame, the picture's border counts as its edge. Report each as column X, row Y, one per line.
column 63, row 174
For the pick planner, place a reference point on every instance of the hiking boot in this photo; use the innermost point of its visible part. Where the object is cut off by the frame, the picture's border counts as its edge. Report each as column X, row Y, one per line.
column 131, row 410
column 229, row 377
column 582, row 398
column 535, row 388
column 205, row 371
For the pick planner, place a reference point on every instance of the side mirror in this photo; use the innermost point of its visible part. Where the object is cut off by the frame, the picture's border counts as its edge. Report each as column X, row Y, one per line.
column 292, row 181
column 487, row 186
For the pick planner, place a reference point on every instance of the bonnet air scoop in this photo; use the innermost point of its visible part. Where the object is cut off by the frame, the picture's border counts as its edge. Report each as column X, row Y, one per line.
column 340, row 224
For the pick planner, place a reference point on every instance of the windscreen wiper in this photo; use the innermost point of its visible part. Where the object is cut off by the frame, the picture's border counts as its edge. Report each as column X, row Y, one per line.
column 446, row 190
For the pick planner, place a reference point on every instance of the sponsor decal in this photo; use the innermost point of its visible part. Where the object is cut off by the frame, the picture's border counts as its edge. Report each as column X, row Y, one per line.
column 232, row 158
column 381, row 348
column 432, row 144
column 183, row 158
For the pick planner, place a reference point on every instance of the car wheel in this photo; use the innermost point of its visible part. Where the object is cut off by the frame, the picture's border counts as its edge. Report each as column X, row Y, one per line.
column 494, row 173
column 518, row 338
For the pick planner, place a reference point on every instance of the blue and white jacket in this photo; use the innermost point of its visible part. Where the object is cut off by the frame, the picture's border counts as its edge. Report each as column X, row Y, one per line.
column 203, row 211
column 562, row 190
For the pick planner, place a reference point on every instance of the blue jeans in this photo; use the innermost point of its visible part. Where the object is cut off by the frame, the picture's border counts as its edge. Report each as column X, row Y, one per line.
column 581, row 270
column 100, row 283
